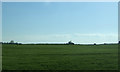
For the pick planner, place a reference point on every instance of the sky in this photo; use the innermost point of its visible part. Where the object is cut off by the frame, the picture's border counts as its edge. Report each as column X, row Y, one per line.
column 60, row 22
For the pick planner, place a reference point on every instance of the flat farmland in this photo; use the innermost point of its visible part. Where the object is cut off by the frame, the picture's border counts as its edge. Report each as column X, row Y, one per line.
column 60, row 57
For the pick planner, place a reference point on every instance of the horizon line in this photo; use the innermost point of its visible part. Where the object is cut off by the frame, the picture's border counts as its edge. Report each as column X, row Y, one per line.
column 58, row 42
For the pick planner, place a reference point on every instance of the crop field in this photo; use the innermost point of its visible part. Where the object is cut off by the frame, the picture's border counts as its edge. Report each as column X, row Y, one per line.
column 60, row 57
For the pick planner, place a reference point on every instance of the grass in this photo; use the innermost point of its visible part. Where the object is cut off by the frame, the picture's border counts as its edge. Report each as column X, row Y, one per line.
column 60, row 57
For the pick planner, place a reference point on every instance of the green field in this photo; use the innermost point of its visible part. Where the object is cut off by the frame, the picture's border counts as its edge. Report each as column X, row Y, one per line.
column 60, row 57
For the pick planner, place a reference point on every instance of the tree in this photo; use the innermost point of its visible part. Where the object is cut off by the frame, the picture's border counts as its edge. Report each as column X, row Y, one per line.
column 94, row 43
column 11, row 42
column 70, row 42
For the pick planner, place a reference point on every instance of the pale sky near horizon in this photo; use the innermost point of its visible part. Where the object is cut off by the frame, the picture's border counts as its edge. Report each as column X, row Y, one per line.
column 59, row 22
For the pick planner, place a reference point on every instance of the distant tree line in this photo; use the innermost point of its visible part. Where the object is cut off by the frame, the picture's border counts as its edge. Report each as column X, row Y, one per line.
column 11, row 42
column 69, row 43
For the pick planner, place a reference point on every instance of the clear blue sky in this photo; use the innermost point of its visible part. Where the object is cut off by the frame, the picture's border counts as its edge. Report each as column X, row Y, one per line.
column 81, row 22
